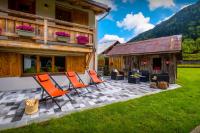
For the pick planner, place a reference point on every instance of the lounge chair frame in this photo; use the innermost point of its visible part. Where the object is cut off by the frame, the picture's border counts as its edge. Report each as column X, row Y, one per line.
column 49, row 96
column 94, row 83
column 73, row 87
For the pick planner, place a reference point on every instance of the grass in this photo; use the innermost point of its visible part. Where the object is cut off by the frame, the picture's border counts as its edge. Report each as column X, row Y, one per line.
column 189, row 65
column 191, row 56
column 167, row 112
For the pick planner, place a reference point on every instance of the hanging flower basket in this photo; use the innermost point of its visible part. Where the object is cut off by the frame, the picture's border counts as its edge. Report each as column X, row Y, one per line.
column 62, row 37
column 25, row 30
column 82, row 40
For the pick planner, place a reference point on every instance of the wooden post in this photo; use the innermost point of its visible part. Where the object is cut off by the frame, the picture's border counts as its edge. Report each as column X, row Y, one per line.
column 6, row 25
column 45, row 31
column 38, row 63
column 53, row 64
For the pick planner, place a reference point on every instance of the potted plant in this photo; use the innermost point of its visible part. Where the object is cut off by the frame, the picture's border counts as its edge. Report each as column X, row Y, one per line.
column 134, row 78
column 25, row 30
column 82, row 39
column 63, row 36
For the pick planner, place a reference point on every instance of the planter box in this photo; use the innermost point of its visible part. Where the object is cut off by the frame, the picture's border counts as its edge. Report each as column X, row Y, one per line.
column 63, row 39
column 25, row 33
column 82, row 40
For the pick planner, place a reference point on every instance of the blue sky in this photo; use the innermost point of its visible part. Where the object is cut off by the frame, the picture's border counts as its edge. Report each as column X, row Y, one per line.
column 128, row 18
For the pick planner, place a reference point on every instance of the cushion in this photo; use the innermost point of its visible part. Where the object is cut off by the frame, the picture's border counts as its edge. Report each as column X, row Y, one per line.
column 92, row 72
column 115, row 70
column 154, row 78
column 43, row 77
column 71, row 74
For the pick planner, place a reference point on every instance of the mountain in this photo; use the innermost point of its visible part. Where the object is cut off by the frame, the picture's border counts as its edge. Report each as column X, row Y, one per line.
column 185, row 22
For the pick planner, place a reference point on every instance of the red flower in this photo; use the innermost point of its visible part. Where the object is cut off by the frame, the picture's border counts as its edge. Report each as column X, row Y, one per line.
column 25, row 27
column 82, row 39
column 64, row 34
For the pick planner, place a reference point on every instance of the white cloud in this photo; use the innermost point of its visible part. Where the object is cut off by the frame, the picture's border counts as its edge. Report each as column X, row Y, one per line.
column 166, row 18
column 110, row 17
column 109, row 3
column 125, row 1
column 184, row 6
column 108, row 37
column 153, row 4
column 136, row 22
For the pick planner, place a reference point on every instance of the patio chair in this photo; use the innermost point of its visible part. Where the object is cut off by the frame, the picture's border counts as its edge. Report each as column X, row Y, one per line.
column 95, row 78
column 117, row 75
column 133, row 77
column 75, row 81
column 144, row 76
column 53, row 90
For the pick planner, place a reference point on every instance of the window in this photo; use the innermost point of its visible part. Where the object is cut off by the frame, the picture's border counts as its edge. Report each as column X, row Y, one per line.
column 59, row 64
column 27, row 6
column 157, row 64
column 38, row 64
column 29, row 65
column 63, row 14
column 45, row 64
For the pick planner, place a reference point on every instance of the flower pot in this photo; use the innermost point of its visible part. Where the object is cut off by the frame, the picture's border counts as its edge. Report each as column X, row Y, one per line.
column 63, row 39
column 82, row 40
column 26, row 33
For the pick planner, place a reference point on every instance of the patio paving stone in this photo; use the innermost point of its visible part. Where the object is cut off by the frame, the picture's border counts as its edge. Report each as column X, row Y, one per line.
column 12, row 102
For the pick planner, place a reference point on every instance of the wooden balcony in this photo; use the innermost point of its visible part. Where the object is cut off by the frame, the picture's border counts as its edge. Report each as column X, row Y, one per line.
column 44, row 29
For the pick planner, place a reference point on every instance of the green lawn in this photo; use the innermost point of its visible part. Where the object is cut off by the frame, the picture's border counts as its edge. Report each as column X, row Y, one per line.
column 171, row 111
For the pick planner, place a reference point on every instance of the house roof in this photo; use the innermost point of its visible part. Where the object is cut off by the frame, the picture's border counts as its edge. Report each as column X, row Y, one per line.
column 170, row 44
column 102, row 47
column 97, row 7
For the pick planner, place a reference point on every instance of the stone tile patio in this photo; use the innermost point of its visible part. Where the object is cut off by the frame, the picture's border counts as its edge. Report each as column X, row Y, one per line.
column 12, row 102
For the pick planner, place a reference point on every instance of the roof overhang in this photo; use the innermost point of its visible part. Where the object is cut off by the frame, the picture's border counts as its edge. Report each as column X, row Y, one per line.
column 97, row 7
column 169, row 44
column 153, row 53
column 37, row 48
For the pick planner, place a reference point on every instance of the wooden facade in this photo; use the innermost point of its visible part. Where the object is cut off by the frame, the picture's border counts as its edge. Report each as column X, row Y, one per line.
column 10, row 64
column 145, row 62
column 18, row 52
column 157, row 56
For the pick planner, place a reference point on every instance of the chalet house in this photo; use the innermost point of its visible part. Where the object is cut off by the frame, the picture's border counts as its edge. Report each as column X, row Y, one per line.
column 103, row 60
column 54, row 36
column 157, row 56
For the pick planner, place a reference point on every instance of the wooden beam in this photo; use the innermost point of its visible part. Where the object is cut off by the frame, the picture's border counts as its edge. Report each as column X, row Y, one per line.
column 88, row 59
column 35, row 46
column 45, row 31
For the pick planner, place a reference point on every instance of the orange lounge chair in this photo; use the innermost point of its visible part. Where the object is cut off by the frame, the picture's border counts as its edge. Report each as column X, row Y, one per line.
column 53, row 90
column 95, row 78
column 75, row 81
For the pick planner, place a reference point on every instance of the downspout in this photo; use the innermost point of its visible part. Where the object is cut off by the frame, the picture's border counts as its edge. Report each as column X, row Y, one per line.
column 107, row 13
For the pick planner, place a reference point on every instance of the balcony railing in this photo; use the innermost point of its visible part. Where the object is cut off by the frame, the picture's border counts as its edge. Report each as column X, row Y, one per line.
column 44, row 28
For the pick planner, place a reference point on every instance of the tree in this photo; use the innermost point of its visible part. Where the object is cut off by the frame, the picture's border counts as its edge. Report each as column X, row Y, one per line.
column 198, row 43
column 188, row 45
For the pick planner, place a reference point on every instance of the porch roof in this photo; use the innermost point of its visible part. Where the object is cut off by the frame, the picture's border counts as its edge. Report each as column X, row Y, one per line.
column 97, row 7
column 170, row 44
